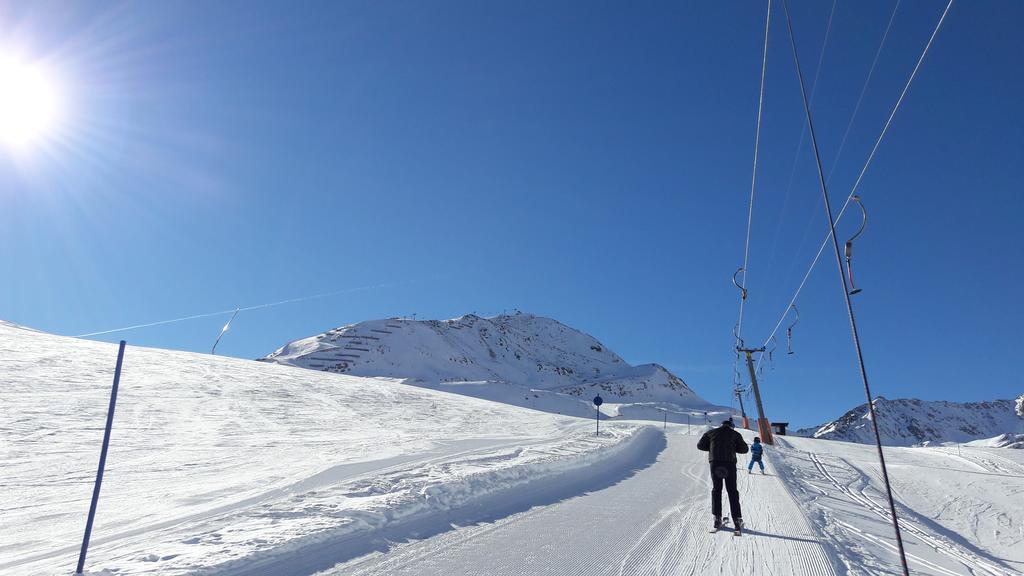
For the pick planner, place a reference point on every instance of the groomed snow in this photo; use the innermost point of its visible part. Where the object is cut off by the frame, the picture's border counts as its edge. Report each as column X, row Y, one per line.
column 818, row 510
column 653, row 522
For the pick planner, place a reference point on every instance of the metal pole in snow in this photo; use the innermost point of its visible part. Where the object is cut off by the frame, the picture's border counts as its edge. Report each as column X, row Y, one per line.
column 103, row 461
column 223, row 331
column 664, row 425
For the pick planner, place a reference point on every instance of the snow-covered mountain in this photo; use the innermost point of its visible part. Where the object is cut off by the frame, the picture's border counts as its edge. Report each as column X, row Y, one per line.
column 908, row 421
column 521, row 358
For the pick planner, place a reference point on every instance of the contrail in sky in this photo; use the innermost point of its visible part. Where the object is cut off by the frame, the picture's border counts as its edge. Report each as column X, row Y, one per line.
column 255, row 307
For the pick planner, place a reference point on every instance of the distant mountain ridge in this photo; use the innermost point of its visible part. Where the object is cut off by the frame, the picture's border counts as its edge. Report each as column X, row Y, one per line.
column 908, row 421
column 516, row 351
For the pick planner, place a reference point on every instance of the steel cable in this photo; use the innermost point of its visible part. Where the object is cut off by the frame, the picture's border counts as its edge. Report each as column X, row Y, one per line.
column 860, row 177
column 846, row 296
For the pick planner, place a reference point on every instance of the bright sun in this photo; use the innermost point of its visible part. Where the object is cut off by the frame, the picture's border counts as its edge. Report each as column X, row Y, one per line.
column 28, row 103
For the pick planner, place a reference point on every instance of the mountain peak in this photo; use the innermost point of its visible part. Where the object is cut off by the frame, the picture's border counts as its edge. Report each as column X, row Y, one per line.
column 522, row 349
column 909, row 421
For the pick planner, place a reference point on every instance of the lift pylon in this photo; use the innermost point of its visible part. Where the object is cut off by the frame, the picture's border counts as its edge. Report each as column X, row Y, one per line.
column 764, row 428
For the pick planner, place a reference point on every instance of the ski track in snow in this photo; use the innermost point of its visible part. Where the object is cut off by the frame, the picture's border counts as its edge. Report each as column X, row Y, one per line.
column 989, row 461
column 843, row 493
column 653, row 522
column 909, row 529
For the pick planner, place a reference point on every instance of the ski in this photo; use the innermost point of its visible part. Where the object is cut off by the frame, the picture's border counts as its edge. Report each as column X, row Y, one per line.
column 721, row 525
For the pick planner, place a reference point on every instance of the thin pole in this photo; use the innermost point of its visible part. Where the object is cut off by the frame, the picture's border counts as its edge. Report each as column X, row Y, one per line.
column 597, row 418
column 664, row 424
column 223, row 331
column 846, row 296
column 739, row 396
column 103, row 461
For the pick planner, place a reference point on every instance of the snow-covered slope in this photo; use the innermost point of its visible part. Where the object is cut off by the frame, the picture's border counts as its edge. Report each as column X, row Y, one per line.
column 528, row 353
column 224, row 462
column 230, row 467
column 819, row 510
column 959, row 506
column 1001, row 441
column 906, row 422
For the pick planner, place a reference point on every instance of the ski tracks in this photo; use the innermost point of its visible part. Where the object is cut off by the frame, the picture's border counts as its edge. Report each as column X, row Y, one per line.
column 992, row 463
column 855, row 489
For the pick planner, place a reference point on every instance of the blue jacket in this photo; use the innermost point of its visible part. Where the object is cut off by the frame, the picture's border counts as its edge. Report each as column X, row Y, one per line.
column 756, row 450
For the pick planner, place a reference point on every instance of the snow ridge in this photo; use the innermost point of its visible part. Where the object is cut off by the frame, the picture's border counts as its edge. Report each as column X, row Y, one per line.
column 524, row 350
column 407, row 494
column 909, row 421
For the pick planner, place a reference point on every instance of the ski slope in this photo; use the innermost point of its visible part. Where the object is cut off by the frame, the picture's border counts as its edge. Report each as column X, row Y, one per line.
column 229, row 467
column 653, row 522
column 219, row 462
column 819, row 510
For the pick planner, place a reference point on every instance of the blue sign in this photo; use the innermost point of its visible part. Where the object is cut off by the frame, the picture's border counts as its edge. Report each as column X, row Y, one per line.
column 598, row 401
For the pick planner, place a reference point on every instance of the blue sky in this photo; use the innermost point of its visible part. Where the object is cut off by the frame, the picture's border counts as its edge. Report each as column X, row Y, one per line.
column 585, row 161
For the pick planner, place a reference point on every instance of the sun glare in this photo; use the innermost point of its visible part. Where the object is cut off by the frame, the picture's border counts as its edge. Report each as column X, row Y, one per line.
column 28, row 103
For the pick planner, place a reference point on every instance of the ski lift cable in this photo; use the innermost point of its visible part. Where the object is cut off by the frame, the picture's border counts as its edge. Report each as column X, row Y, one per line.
column 867, row 163
column 814, row 92
column 863, row 91
column 856, row 108
column 803, row 128
column 738, row 327
column 846, row 293
column 753, row 175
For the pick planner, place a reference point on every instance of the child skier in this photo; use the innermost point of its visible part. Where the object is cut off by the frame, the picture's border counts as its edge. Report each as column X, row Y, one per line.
column 756, row 451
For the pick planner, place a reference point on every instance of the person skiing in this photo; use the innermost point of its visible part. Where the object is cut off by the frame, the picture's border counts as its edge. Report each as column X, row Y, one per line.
column 722, row 445
column 756, row 452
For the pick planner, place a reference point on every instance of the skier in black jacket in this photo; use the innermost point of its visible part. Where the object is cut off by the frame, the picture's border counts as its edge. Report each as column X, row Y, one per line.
column 722, row 445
